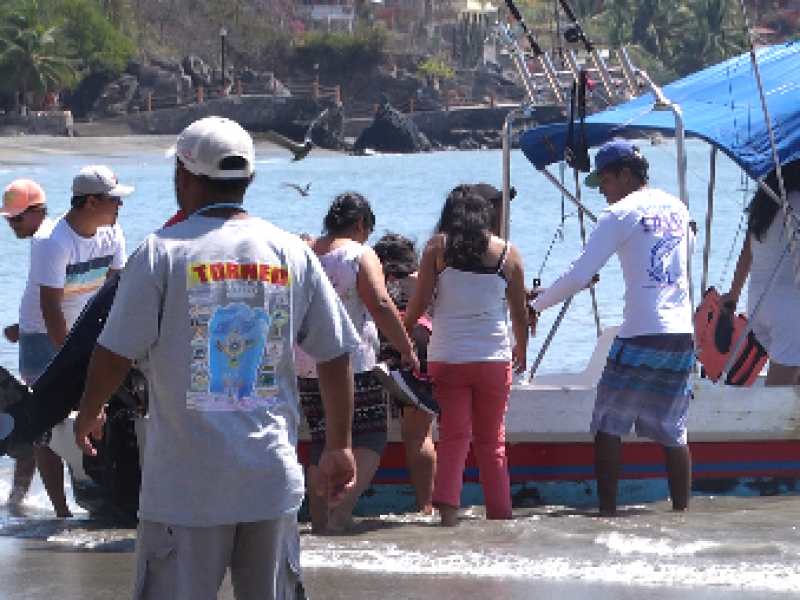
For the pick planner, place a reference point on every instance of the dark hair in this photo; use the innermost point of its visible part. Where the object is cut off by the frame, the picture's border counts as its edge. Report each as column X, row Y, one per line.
column 637, row 164
column 346, row 210
column 228, row 187
column 465, row 218
column 762, row 208
column 397, row 255
column 78, row 201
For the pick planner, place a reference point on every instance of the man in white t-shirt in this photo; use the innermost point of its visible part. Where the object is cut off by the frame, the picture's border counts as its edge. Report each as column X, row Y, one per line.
column 25, row 210
column 646, row 379
column 215, row 304
column 68, row 264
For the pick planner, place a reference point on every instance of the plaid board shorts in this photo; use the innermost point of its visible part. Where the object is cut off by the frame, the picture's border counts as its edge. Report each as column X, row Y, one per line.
column 645, row 384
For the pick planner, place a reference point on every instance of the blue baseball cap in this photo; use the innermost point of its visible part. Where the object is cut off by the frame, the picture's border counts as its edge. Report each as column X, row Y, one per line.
column 608, row 153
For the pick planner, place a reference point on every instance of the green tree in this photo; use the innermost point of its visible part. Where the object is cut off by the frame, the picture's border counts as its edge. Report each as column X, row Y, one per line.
column 28, row 59
column 92, row 37
column 716, row 34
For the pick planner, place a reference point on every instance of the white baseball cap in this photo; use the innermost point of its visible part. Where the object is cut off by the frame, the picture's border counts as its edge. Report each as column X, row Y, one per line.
column 204, row 144
column 97, row 180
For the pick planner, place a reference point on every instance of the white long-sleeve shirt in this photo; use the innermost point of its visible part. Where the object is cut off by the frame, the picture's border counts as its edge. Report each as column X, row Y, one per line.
column 648, row 230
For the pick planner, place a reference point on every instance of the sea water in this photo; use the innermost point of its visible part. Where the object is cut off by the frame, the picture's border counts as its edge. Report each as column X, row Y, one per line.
column 747, row 547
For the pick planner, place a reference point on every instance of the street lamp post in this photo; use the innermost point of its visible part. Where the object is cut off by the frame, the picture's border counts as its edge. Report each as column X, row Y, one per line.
column 222, row 33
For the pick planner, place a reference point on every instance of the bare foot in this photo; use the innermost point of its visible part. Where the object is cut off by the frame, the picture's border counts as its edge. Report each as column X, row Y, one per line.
column 448, row 515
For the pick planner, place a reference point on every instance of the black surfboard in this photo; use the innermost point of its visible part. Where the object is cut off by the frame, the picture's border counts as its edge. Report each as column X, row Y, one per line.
column 59, row 388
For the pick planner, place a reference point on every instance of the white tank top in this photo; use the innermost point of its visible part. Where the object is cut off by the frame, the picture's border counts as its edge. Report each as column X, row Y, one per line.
column 470, row 323
column 341, row 266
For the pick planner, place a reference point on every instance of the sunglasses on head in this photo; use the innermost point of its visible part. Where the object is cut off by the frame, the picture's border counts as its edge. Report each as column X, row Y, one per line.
column 21, row 216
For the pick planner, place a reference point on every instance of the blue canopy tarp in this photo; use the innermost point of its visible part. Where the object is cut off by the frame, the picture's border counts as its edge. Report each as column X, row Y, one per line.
column 720, row 104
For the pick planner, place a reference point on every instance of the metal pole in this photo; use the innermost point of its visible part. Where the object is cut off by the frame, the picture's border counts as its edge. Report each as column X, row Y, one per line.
column 627, row 71
column 505, row 220
column 554, row 180
column 573, row 65
column 222, row 34
column 583, row 239
column 709, row 216
column 550, row 335
column 519, row 60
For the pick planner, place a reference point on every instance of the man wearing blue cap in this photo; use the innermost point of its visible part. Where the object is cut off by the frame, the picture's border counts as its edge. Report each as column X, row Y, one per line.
column 645, row 382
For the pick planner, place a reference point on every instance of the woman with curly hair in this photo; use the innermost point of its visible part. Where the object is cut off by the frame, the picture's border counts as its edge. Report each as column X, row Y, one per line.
column 477, row 277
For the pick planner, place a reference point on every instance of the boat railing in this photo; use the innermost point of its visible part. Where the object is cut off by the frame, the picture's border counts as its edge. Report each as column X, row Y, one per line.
column 632, row 76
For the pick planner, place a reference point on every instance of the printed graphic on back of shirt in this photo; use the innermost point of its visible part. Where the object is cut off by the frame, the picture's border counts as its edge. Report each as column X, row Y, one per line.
column 240, row 318
column 664, row 269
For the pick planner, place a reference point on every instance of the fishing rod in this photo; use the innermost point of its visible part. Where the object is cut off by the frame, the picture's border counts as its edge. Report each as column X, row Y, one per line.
column 574, row 34
column 544, row 60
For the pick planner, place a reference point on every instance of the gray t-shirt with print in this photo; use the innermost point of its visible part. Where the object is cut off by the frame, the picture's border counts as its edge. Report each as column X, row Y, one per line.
column 215, row 307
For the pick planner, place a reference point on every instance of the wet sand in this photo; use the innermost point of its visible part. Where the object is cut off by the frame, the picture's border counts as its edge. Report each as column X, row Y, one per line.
column 31, row 149
column 42, row 570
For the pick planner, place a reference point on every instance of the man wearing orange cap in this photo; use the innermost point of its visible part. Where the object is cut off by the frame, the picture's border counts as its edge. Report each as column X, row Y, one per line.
column 25, row 210
column 69, row 262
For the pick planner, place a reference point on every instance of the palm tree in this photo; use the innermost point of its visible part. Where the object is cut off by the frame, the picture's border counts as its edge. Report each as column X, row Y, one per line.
column 28, row 58
column 715, row 35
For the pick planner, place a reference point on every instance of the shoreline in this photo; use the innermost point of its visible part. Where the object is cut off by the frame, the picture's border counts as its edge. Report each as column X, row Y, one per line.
column 18, row 149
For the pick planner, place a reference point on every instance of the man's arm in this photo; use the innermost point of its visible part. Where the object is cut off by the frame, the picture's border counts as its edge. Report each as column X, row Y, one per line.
column 107, row 371
column 50, row 299
column 740, row 274
column 337, row 464
column 610, row 232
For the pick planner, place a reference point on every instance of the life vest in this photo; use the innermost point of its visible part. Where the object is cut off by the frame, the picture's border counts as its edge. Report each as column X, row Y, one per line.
column 717, row 331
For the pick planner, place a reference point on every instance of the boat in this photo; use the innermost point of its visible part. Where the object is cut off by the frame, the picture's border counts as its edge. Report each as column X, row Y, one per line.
column 744, row 440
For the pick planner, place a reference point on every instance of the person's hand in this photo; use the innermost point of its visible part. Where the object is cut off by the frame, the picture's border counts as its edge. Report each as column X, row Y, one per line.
column 519, row 358
column 594, row 280
column 729, row 301
column 12, row 333
column 85, row 426
column 410, row 359
column 337, row 470
column 533, row 320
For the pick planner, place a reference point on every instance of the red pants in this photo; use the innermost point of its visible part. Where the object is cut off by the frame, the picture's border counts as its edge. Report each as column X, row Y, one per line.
column 473, row 398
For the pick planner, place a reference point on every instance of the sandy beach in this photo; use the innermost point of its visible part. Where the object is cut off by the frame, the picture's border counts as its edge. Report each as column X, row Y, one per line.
column 40, row 570
column 31, row 149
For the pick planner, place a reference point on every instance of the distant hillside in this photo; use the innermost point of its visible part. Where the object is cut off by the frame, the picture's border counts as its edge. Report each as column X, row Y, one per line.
column 256, row 31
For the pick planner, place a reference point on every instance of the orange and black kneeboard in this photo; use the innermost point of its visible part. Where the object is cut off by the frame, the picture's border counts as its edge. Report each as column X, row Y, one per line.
column 717, row 330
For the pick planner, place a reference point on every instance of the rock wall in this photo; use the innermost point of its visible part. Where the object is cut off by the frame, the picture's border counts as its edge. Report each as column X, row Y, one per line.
column 56, row 122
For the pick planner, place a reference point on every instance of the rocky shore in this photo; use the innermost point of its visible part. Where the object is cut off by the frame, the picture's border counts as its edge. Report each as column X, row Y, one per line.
column 386, row 110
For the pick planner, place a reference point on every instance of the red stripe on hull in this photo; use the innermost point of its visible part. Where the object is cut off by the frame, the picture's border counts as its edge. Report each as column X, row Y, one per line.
column 575, row 461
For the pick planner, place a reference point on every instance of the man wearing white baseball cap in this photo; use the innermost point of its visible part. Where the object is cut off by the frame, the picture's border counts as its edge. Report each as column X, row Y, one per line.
column 216, row 304
column 68, row 265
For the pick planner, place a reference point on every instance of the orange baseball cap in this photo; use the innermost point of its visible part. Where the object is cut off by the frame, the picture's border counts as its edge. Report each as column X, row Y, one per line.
column 19, row 196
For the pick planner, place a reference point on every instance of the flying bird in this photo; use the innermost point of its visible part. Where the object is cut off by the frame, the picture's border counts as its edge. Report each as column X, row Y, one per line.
column 303, row 191
column 300, row 150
